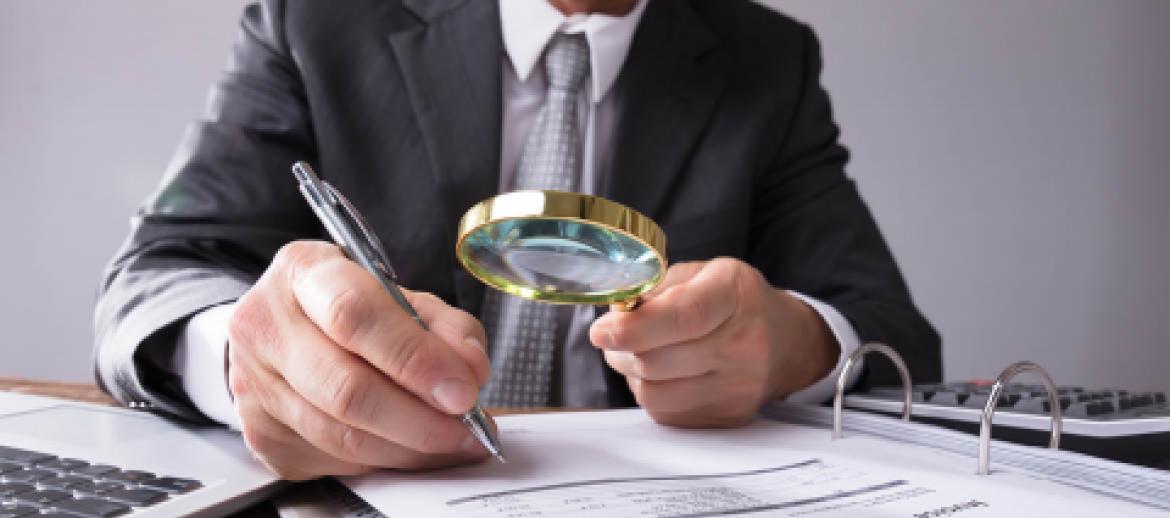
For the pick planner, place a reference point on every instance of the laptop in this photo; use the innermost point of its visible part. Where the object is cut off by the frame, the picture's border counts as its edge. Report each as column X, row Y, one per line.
column 64, row 458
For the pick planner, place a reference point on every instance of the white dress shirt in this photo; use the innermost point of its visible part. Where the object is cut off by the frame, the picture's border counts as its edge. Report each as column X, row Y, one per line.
column 527, row 26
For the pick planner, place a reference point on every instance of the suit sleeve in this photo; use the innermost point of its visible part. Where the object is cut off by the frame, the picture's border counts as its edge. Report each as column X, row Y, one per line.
column 226, row 204
column 812, row 233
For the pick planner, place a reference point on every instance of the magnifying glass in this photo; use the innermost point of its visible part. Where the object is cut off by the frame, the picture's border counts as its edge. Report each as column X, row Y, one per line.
column 562, row 248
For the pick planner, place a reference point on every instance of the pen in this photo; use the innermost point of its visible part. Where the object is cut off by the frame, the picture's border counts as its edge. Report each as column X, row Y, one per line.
column 350, row 231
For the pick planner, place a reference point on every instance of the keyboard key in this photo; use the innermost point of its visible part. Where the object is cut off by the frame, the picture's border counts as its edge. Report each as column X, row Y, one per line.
column 14, row 488
column 62, row 465
column 91, row 507
column 172, row 484
column 18, row 456
column 28, row 475
column 949, row 398
column 1090, row 408
column 136, row 497
column 94, row 470
column 128, row 477
column 1101, row 407
column 17, row 511
column 1032, row 405
column 41, row 498
column 980, row 400
column 67, row 482
column 1160, row 397
column 98, row 488
column 6, row 467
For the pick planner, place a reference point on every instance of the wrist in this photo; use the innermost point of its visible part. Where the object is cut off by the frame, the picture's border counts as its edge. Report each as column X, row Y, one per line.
column 806, row 350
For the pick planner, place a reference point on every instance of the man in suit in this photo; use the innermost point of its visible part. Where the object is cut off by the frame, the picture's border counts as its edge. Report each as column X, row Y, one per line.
column 225, row 303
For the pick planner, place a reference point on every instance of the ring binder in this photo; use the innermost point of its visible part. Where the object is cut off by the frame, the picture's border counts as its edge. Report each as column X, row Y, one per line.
column 993, row 399
column 851, row 363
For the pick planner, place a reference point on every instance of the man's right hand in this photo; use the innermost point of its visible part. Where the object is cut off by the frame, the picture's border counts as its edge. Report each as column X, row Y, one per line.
column 331, row 377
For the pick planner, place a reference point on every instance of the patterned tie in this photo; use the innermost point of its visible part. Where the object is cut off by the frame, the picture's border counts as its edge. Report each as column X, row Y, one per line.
column 522, row 334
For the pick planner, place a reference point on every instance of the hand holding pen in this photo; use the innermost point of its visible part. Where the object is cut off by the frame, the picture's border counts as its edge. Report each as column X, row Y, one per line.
column 349, row 230
column 332, row 376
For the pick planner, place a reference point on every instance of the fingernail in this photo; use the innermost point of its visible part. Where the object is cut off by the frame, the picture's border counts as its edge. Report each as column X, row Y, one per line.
column 454, row 395
column 604, row 336
column 610, row 337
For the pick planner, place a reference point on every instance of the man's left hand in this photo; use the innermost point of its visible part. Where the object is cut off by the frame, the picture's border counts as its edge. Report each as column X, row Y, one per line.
column 713, row 343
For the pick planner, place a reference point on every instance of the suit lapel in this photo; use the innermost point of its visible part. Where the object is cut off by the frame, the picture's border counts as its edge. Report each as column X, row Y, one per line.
column 451, row 67
column 671, row 83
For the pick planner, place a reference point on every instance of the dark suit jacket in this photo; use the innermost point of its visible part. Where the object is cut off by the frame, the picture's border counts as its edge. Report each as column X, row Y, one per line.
column 725, row 137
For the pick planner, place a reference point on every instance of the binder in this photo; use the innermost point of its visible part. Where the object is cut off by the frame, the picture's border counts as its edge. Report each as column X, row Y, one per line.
column 1125, row 481
column 893, row 460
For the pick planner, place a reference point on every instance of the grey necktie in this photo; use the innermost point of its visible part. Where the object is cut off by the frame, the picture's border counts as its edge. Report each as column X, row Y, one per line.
column 522, row 334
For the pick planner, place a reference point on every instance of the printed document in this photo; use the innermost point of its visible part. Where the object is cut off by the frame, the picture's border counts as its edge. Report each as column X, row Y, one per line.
column 620, row 463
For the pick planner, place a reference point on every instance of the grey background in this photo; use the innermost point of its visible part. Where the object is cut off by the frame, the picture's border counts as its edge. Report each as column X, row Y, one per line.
column 1013, row 151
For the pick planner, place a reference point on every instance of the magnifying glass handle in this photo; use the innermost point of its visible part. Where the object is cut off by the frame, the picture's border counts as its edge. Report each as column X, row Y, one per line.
column 628, row 305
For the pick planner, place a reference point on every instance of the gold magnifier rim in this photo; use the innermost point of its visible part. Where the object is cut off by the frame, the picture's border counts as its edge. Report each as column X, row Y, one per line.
column 569, row 206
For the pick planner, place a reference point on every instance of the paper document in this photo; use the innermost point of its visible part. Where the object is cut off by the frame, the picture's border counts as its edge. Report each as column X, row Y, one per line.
column 620, row 463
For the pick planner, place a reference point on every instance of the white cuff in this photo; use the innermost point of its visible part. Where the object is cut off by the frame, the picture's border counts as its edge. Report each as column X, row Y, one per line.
column 201, row 363
column 848, row 341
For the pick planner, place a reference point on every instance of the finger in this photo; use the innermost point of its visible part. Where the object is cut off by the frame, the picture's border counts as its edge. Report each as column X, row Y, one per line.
column 678, row 361
column 677, row 274
column 456, row 327
column 673, row 396
column 282, row 450
column 348, row 389
column 354, row 310
column 339, row 439
column 683, row 312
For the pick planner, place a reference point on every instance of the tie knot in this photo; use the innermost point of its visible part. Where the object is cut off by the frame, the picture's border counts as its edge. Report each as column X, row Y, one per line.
column 566, row 61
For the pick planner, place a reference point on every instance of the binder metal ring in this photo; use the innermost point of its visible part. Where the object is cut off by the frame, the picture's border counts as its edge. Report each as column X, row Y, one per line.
column 993, row 399
column 851, row 363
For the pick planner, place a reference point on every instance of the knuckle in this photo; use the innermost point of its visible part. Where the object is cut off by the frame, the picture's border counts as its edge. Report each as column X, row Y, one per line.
column 436, row 437
column 250, row 321
column 690, row 314
column 346, row 315
column 347, row 442
column 639, row 367
column 347, row 395
column 296, row 255
column 238, row 382
column 409, row 356
column 259, row 442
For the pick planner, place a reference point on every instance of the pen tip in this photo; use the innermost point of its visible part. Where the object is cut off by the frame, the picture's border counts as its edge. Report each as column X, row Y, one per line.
column 500, row 457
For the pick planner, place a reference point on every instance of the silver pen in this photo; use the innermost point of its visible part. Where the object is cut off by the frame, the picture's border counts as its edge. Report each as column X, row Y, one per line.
column 350, row 231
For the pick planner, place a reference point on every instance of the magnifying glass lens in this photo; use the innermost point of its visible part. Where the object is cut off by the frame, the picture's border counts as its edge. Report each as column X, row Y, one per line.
column 569, row 261
column 562, row 247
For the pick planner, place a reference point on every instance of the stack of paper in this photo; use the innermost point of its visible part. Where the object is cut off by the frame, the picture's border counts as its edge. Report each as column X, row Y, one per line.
column 619, row 463
column 1126, row 481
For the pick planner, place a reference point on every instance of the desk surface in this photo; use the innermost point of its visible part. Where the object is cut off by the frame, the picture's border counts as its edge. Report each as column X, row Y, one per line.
column 89, row 393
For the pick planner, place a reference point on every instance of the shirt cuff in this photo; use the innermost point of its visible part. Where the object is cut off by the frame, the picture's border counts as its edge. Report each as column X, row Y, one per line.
column 201, row 363
column 847, row 340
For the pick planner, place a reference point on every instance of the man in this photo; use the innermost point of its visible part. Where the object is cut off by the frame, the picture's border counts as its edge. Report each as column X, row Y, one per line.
column 708, row 116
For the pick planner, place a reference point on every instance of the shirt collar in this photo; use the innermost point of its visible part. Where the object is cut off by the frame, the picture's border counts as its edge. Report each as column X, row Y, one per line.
column 528, row 25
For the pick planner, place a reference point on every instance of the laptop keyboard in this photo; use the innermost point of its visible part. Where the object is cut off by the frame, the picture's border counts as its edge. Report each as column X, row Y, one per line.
column 38, row 485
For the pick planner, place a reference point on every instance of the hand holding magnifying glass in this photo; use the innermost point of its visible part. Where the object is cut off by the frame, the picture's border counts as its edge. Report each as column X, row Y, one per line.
column 709, row 342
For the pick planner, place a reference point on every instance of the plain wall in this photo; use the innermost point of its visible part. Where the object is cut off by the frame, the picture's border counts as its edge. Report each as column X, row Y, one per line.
column 1013, row 152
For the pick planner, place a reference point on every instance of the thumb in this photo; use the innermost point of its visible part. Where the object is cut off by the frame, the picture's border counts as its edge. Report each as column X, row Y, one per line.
column 676, row 274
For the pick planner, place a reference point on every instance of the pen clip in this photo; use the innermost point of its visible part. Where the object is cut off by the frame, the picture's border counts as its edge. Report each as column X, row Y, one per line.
column 356, row 221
